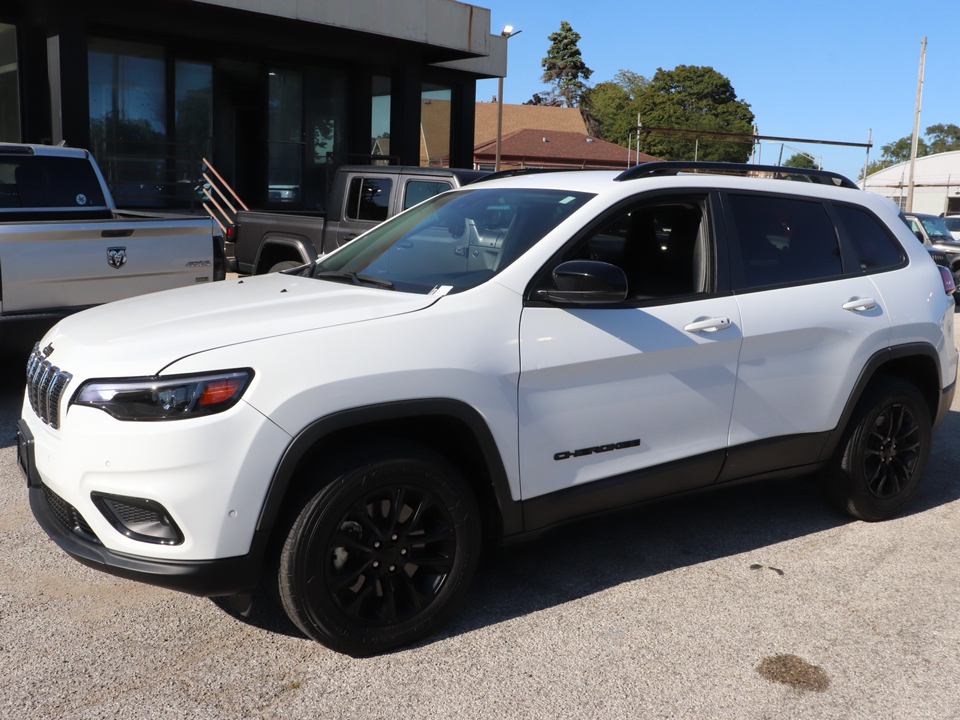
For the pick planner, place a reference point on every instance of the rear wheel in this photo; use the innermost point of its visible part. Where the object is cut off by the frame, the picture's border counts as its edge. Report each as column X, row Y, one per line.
column 883, row 453
column 284, row 265
column 380, row 555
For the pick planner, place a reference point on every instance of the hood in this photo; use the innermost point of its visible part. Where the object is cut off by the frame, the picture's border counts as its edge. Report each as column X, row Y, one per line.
column 144, row 334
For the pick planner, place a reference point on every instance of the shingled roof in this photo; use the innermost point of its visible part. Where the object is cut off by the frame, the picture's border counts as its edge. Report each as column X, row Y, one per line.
column 522, row 117
column 547, row 148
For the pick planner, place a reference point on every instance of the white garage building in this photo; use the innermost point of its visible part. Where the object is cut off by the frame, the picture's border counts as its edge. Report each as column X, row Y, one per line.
column 936, row 182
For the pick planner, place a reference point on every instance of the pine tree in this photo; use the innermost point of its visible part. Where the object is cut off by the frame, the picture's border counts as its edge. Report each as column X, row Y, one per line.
column 564, row 67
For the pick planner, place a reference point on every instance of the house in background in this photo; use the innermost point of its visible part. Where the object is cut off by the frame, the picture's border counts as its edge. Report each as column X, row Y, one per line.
column 534, row 148
column 524, row 117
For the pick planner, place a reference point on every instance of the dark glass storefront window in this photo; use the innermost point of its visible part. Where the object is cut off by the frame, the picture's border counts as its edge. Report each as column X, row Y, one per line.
column 9, row 85
column 380, row 118
column 128, row 128
column 326, row 120
column 194, row 121
column 435, row 106
column 284, row 136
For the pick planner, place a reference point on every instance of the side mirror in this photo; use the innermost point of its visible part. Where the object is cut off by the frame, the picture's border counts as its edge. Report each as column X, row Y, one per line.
column 586, row 282
column 919, row 235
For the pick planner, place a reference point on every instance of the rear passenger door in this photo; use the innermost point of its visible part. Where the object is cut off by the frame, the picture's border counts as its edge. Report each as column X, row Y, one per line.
column 811, row 316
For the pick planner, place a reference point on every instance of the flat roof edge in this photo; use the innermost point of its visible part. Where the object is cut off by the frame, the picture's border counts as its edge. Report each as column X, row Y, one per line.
column 438, row 23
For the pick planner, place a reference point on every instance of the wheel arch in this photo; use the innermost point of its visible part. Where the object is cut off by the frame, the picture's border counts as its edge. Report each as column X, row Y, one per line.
column 917, row 363
column 448, row 427
column 276, row 248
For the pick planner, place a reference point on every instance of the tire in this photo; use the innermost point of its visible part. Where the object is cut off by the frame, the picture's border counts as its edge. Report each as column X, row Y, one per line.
column 883, row 453
column 379, row 556
column 285, row 265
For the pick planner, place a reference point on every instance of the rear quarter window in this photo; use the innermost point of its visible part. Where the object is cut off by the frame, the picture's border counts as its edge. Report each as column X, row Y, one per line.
column 875, row 248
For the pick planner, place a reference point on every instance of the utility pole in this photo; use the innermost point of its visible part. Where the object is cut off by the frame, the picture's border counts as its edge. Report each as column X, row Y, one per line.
column 916, row 126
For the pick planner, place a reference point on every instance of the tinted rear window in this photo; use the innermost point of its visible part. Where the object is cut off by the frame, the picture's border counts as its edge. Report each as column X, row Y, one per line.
column 32, row 181
column 783, row 240
column 874, row 246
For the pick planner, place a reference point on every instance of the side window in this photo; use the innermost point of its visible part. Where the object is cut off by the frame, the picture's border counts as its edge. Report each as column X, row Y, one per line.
column 419, row 190
column 874, row 246
column 784, row 240
column 662, row 247
column 369, row 199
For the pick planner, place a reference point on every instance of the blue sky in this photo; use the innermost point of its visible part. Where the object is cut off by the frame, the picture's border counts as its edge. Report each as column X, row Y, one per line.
column 813, row 69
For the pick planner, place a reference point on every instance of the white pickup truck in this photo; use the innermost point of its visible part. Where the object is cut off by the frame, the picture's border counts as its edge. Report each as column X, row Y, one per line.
column 64, row 246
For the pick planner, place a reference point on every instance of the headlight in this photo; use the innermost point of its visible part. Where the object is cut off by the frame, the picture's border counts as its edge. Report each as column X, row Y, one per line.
column 167, row 398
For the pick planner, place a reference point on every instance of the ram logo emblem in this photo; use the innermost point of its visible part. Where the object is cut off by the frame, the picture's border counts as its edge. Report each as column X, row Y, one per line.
column 117, row 257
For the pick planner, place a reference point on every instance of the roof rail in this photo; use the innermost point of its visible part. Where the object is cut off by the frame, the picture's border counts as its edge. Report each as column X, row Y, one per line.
column 781, row 172
column 524, row 171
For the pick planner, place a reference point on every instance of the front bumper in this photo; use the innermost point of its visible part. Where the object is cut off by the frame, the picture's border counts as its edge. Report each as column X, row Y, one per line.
column 208, row 578
column 208, row 475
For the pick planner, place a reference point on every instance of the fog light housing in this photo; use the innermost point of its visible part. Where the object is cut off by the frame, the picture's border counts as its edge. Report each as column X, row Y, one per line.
column 138, row 518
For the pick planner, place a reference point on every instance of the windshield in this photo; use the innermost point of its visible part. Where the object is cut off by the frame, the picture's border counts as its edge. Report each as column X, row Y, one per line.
column 952, row 223
column 451, row 242
column 935, row 227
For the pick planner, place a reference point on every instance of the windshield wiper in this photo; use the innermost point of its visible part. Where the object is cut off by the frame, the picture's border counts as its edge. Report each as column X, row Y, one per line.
column 355, row 278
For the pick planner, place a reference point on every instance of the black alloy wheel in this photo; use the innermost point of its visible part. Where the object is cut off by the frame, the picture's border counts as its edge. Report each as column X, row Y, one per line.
column 891, row 451
column 390, row 556
column 882, row 456
column 380, row 554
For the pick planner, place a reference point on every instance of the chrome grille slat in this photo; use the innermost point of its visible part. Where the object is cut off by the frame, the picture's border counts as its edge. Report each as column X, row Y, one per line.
column 45, row 385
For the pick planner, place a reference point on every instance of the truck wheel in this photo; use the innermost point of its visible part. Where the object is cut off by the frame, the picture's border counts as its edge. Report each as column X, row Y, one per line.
column 285, row 265
column 380, row 555
column 883, row 453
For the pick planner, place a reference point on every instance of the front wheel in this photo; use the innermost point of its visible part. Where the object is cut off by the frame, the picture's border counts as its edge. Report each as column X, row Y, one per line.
column 380, row 555
column 883, row 453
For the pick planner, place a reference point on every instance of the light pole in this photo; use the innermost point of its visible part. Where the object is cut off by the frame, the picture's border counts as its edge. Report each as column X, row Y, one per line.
column 508, row 32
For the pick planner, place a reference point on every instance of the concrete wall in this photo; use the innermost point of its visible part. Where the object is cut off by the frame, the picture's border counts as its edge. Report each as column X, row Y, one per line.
column 462, row 28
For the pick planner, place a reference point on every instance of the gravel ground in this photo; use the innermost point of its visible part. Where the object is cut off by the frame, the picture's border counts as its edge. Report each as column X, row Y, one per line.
column 753, row 602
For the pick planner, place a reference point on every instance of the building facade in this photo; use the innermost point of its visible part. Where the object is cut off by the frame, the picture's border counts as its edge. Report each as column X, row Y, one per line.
column 274, row 96
column 936, row 183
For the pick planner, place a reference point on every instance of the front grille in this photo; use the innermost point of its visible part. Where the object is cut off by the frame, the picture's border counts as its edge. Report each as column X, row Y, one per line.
column 68, row 516
column 939, row 258
column 45, row 384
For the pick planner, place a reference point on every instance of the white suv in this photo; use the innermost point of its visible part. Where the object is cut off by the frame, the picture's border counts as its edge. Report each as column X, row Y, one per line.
column 491, row 363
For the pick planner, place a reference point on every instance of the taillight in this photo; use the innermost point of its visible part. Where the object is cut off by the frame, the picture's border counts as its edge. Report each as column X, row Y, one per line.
column 219, row 258
column 949, row 286
column 231, row 230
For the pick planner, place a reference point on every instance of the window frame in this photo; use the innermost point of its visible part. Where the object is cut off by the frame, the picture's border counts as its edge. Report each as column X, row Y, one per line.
column 845, row 236
column 718, row 279
column 849, row 260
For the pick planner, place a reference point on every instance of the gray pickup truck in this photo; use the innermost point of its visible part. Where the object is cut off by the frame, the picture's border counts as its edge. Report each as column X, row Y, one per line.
column 64, row 246
column 362, row 196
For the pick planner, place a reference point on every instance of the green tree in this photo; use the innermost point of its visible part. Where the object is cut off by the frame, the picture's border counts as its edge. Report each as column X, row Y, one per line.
column 614, row 105
column 564, row 68
column 798, row 160
column 691, row 97
column 899, row 151
column 943, row 138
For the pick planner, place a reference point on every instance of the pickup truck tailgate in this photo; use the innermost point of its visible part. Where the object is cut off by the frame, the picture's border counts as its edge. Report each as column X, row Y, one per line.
column 47, row 265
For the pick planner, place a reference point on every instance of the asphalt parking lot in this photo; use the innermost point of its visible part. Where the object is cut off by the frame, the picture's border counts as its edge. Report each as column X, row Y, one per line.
column 753, row 602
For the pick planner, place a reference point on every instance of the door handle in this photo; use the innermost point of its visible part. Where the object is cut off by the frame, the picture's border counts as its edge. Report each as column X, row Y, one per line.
column 347, row 238
column 860, row 304
column 708, row 325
